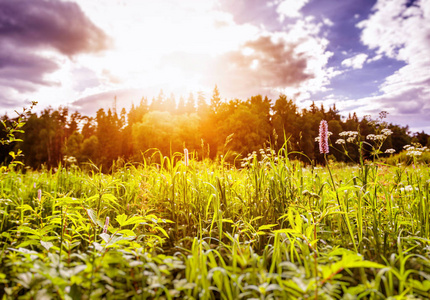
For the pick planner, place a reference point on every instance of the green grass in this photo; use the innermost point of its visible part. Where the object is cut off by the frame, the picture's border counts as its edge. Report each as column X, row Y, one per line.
column 272, row 230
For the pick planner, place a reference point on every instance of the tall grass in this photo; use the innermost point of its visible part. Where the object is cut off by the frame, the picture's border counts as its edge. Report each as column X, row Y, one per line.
column 273, row 229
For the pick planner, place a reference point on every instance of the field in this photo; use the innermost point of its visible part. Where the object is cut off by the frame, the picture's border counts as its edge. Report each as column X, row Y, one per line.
column 273, row 229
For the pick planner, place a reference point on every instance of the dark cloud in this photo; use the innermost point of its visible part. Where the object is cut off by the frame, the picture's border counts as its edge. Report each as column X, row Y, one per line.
column 23, row 71
column 278, row 65
column 49, row 24
column 7, row 103
column 271, row 65
column 27, row 26
column 259, row 67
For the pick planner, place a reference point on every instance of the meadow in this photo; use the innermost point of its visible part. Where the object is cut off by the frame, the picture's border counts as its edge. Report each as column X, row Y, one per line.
column 168, row 229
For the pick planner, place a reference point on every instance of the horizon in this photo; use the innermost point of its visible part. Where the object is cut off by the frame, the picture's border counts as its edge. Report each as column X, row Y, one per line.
column 363, row 56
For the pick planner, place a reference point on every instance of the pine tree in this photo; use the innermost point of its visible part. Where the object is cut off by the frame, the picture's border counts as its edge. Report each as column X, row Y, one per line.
column 181, row 106
column 215, row 100
column 190, row 104
column 202, row 106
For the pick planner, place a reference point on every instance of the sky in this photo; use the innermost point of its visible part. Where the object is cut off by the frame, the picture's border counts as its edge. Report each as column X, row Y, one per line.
column 365, row 56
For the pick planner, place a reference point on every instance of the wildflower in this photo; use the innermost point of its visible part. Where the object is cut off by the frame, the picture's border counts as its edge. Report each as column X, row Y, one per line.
column 390, row 151
column 387, row 132
column 34, row 185
column 186, row 157
column 350, row 139
column 351, row 134
column 39, row 194
column 323, row 130
column 408, row 188
column 412, row 152
column 340, row 141
column 105, row 228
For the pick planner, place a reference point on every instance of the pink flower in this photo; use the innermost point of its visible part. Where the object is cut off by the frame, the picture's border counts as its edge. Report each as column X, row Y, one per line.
column 186, row 157
column 105, row 228
column 323, row 137
column 39, row 194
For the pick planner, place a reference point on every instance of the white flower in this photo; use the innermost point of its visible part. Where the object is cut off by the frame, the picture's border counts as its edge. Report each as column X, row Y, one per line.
column 387, row 132
column 408, row 188
column 350, row 139
column 340, row 141
column 413, row 153
column 352, row 134
column 390, row 151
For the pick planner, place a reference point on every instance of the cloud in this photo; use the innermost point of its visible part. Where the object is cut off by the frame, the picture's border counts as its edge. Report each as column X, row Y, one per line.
column 90, row 104
column 290, row 8
column 413, row 112
column 401, row 31
column 33, row 33
column 292, row 62
column 266, row 62
column 22, row 71
column 355, row 62
column 49, row 24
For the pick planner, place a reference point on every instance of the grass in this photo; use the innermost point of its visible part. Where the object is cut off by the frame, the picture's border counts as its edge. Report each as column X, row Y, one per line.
column 274, row 229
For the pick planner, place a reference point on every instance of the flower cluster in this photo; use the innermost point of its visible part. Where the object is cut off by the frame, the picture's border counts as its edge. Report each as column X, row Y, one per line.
column 317, row 139
column 386, row 132
column 408, row 188
column 376, row 137
column 380, row 137
column 323, row 135
column 415, row 150
column 390, row 151
column 105, row 227
column 267, row 155
column 347, row 136
column 70, row 159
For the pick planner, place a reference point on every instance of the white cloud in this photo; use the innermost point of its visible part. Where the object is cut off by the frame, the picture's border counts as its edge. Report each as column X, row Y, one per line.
column 355, row 62
column 290, row 8
column 402, row 33
column 375, row 58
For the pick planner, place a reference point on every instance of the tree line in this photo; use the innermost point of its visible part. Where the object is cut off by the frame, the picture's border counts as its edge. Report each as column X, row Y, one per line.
column 206, row 127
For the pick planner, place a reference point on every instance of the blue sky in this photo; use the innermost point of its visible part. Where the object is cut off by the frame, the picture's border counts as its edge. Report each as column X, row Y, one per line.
column 364, row 56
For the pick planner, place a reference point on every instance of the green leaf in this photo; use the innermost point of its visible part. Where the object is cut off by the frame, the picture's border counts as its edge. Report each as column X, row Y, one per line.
column 91, row 213
column 46, row 245
column 134, row 220
column 121, row 219
column 105, row 237
column 267, row 227
column 25, row 207
column 127, row 232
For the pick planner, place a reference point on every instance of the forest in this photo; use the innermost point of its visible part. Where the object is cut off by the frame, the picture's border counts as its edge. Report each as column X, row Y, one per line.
column 207, row 127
